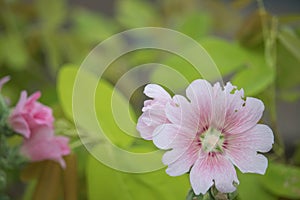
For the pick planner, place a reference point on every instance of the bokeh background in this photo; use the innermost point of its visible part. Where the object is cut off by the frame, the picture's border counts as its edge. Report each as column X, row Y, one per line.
column 39, row 38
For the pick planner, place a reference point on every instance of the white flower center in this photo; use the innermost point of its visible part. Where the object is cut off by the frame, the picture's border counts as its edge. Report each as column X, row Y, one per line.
column 212, row 140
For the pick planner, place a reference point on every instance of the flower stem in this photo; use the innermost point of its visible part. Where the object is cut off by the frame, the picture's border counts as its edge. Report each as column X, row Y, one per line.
column 270, row 37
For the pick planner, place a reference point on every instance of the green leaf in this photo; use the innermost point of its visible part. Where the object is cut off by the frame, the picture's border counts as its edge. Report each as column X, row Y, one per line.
column 257, row 77
column 250, row 188
column 103, row 109
column 288, row 69
column 290, row 41
column 14, row 51
column 176, row 75
column 52, row 13
column 52, row 50
column 228, row 56
column 195, row 25
column 231, row 57
column 283, row 180
column 136, row 13
column 65, row 82
column 107, row 183
column 92, row 27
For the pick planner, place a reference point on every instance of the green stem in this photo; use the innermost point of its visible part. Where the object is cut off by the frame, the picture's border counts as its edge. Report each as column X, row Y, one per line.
column 270, row 37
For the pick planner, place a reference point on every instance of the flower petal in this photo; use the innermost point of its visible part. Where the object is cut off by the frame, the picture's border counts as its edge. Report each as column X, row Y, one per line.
column 218, row 107
column 248, row 161
column 200, row 93
column 244, row 117
column 21, row 103
column 168, row 136
column 179, row 161
column 209, row 170
column 156, row 92
column 259, row 138
column 149, row 121
column 43, row 145
column 4, row 80
column 182, row 113
column 35, row 96
column 20, row 125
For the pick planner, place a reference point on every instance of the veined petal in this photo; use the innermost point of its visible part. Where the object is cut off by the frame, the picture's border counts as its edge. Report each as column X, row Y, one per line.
column 182, row 113
column 149, row 121
column 218, row 107
column 213, row 169
column 248, row 161
column 259, row 138
column 200, row 93
column 169, row 136
column 179, row 164
column 244, row 117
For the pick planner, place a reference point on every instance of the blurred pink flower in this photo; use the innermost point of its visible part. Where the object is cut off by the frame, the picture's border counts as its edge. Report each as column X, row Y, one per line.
column 29, row 114
column 211, row 133
column 4, row 80
column 153, row 110
column 44, row 145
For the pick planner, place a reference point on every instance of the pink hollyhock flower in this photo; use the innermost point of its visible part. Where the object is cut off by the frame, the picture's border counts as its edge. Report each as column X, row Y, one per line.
column 153, row 110
column 210, row 134
column 44, row 145
column 29, row 114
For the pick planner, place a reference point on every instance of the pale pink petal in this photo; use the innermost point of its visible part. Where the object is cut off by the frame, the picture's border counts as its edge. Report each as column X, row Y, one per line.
column 20, row 125
column 32, row 98
column 43, row 145
column 218, row 107
column 3, row 81
column 182, row 113
column 21, row 103
column 40, row 133
column 154, row 117
column 245, row 117
column 259, row 138
column 144, row 129
column 248, row 161
column 63, row 144
column 62, row 162
column 209, row 170
column 231, row 89
column 149, row 121
column 42, row 115
column 200, row 93
column 168, row 136
column 179, row 164
column 172, row 155
column 156, row 92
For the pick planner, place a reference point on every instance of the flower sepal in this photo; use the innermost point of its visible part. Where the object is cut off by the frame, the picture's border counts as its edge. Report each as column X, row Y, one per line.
column 4, row 113
column 211, row 194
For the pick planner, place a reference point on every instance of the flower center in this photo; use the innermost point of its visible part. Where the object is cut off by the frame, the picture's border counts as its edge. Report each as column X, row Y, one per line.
column 212, row 140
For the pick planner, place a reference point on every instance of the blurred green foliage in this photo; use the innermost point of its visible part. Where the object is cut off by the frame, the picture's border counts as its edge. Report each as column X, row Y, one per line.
column 260, row 53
